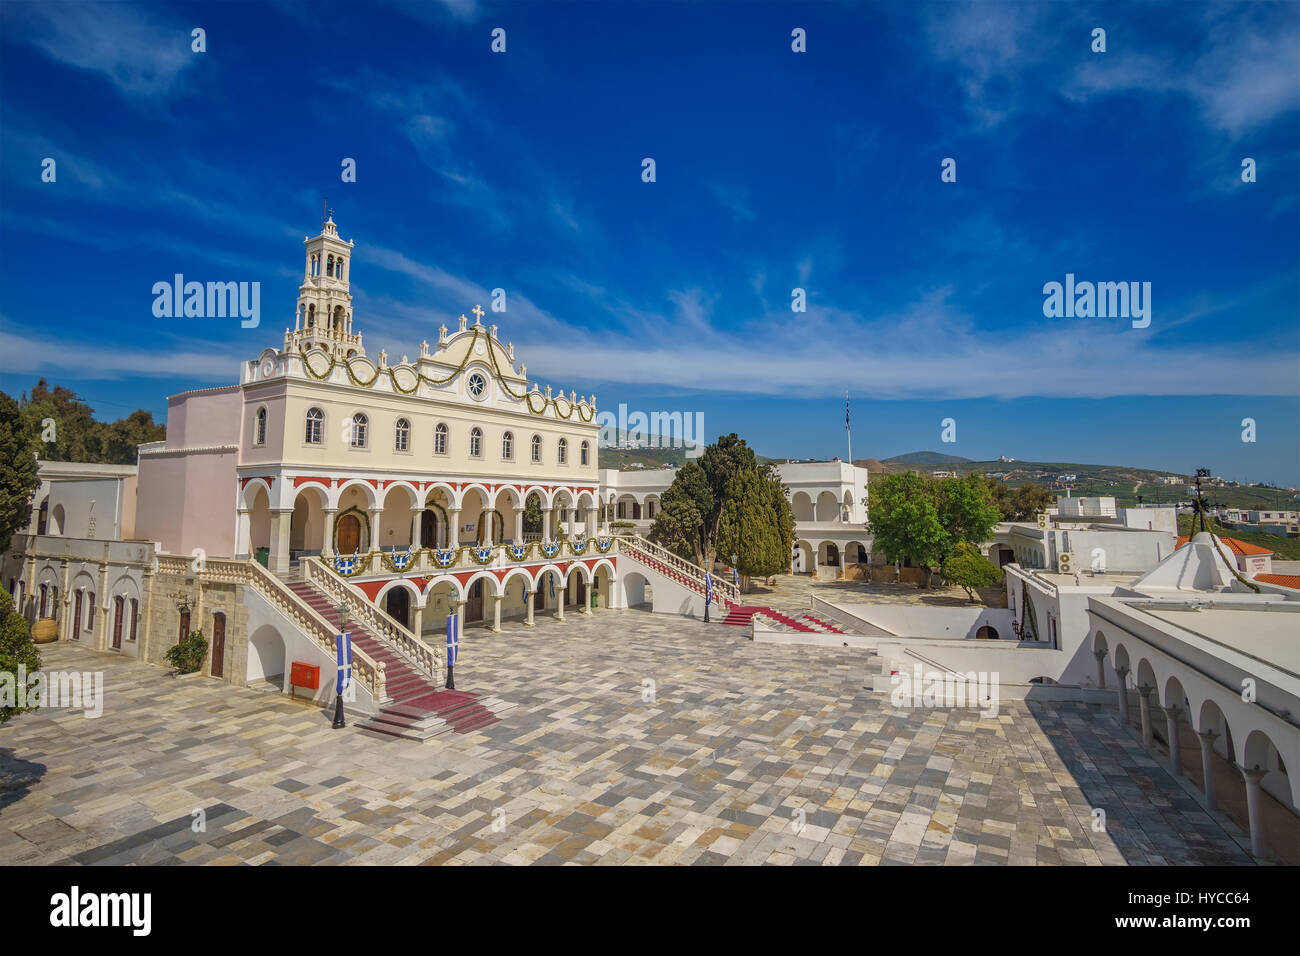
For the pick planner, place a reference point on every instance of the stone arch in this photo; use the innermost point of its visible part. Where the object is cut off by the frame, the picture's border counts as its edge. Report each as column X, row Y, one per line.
column 828, row 507
column 259, row 517
column 417, row 597
column 517, row 574
column 267, row 656
column 495, row 584
column 483, row 495
column 855, row 552
column 441, row 595
column 401, row 506
column 58, row 521
column 124, row 585
column 847, row 505
column 801, row 506
column 635, row 586
column 805, row 558
column 248, row 493
column 356, row 492
column 307, row 529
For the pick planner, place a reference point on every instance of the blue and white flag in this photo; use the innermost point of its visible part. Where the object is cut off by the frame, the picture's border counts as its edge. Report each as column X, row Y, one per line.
column 453, row 638
column 735, row 577
column 708, row 587
column 551, row 579
column 343, row 646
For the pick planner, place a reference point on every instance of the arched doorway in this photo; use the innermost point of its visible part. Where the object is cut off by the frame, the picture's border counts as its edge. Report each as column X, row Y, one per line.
column 397, row 603
column 347, row 534
column 474, row 602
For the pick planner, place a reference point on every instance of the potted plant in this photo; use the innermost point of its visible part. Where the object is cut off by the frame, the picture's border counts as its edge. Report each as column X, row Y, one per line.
column 187, row 655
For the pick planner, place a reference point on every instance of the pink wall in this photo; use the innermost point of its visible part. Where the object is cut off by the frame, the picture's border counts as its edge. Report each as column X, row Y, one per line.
column 188, row 499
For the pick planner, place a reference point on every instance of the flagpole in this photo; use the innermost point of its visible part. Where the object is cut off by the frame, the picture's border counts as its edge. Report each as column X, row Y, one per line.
column 846, row 426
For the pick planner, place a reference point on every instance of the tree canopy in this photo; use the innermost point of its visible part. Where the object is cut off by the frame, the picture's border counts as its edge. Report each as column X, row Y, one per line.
column 19, row 441
column 1021, row 503
column 16, row 648
column 969, row 569
column 921, row 519
column 77, row 436
column 726, row 503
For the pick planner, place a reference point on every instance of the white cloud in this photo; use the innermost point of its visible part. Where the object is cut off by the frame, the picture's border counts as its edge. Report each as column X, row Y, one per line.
column 196, row 361
column 139, row 55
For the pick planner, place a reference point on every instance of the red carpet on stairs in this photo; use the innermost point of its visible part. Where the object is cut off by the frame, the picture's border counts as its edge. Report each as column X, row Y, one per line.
column 740, row 616
column 415, row 699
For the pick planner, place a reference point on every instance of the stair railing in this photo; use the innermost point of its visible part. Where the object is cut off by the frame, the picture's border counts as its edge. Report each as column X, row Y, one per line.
column 425, row 659
column 722, row 587
column 368, row 672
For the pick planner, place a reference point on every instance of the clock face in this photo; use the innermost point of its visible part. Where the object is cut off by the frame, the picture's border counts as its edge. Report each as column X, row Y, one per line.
column 477, row 385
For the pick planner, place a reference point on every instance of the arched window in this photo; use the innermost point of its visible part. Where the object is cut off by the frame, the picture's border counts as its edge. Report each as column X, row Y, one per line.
column 586, row 453
column 402, row 440
column 311, row 316
column 440, row 439
column 329, row 266
column 315, row 426
column 359, row 425
column 537, row 448
column 562, row 454
column 259, row 430
column 508, row 445
column 476, row 443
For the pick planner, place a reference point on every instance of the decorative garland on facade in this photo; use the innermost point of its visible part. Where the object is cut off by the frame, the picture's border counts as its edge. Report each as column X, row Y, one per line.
column 348, row 566
column 525, row 396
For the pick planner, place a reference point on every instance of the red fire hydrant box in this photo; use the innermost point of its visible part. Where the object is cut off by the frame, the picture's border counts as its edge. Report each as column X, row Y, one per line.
column 302, row 674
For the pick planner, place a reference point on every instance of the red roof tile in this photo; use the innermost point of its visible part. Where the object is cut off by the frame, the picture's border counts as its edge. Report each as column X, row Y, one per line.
column 1235, row 546
column 1286, row 580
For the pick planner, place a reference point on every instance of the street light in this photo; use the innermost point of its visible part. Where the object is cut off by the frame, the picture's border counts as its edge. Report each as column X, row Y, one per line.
column 342, row 608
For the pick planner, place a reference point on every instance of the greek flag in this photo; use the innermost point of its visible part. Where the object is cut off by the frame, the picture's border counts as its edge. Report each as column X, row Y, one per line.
column 551, row 579
column 344, row 651
column 708, row 587
column 453, row 639
column 735, row 577
column 846, row 411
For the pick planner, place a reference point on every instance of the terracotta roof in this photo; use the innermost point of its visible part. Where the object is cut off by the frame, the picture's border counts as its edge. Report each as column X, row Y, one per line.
column 1234, row 545
column 1286, row 580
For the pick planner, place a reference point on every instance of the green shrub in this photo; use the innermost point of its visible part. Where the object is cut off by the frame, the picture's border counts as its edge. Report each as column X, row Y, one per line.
column 187, row 656
column 16, row 649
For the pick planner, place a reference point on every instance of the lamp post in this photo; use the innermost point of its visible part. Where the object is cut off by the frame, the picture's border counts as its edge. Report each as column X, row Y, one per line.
column 339, row 722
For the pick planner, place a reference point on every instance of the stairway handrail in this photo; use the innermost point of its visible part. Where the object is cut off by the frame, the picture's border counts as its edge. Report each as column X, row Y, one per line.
column 369, row 672
column 425, row 659
column 724, row 587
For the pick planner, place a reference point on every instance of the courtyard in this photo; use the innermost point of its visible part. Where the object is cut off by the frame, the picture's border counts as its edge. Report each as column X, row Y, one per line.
column 635, row 739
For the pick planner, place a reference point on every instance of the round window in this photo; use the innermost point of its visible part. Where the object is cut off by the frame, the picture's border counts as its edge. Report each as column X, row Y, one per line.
column 477, row 385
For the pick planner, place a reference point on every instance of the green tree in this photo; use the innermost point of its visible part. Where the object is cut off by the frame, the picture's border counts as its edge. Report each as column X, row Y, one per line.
column 18, row 466
column 755, row 523
column 904, row 520
column 966, row 509
column 720, row 462
column 16, row 648
column 969, row 569
column 78, row 436
column 533, row 514
column 1022, row 503
column 679, row 524
column 121, row 438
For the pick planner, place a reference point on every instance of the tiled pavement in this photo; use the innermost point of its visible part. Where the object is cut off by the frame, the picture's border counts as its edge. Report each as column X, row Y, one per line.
column 743, row 754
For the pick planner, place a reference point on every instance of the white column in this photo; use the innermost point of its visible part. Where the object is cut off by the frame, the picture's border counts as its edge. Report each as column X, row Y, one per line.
column 279, row 558
column 418, row 622
column 561, row 590
column 1122, row 674
column 243, row 531
column 1144, row 704
column 1254, row 809
column 528, row 599
column 376, row 516
column 546, row 525
column 496, row 613
column 1100, row 654
column 327, row 547
column 453, row 528
column 460, row 619
column 1175, row 756
column 519, row 526
column 1207, row 767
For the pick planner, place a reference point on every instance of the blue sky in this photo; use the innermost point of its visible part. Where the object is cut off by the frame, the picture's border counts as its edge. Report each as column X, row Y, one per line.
column 775, row 170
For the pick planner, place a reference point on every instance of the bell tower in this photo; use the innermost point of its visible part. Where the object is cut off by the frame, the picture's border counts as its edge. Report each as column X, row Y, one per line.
column 324, row 316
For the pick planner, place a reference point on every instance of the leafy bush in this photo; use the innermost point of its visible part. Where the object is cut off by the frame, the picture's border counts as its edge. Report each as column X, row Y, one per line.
column 622, row 524
column 16, row 648
column 970, row 570
column 187, row 656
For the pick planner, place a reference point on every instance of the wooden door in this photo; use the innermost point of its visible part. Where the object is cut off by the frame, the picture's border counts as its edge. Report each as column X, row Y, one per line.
column 349, row 535
column 119, row 609
column 428, row 530
column 474, row 606
column 582, row 592
column 76, row 621
column 218, row 645
column 539, row 597
column 398, row 605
